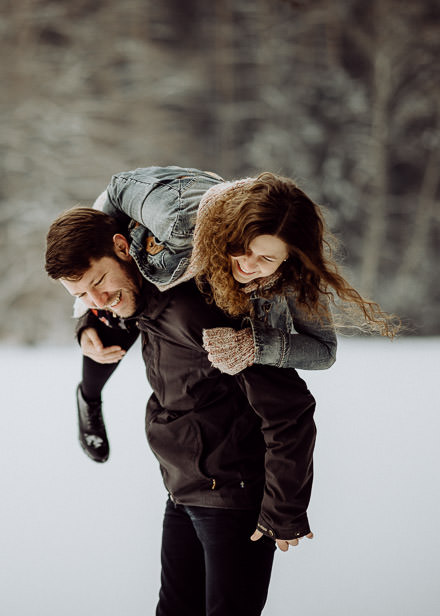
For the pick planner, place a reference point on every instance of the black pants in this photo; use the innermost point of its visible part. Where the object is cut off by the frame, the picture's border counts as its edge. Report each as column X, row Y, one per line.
column 210, row 567
column 95, row 375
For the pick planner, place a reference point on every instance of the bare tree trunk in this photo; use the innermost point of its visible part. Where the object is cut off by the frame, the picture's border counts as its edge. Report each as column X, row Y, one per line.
column 224, row 87
column 417, row 241
column 375, row 231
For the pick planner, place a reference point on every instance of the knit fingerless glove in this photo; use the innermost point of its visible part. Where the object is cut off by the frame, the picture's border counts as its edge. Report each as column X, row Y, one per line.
column 229, row 350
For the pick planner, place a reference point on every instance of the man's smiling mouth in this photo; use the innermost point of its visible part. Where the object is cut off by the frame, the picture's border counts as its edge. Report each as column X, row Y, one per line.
column 116, row 301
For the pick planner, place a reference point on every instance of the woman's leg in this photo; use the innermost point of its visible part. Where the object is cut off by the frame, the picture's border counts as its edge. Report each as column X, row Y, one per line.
column 95, row 375
column 92, row 432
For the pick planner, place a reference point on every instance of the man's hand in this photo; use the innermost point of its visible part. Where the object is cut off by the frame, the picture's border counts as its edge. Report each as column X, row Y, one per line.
column 283, row 544
column 92, row 347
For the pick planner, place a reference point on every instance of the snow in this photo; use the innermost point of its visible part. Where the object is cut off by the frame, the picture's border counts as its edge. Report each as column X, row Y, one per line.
column 83, row 538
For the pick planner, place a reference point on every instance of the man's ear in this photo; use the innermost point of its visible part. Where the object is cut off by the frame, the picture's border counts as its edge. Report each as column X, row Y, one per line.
column 122, row 247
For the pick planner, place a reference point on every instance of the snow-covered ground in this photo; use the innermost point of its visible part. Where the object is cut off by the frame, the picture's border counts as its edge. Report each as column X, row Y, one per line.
column 79, row 538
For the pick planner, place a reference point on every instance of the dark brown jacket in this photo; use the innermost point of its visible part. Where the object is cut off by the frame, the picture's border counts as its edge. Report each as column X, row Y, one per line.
column 243, row 441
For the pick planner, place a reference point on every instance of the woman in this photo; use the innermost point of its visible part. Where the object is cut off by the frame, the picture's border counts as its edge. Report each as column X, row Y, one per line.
column 261, row 248
column 258, row 248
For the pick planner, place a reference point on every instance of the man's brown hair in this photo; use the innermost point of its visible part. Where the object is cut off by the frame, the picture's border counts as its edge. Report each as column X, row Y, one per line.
column 76, row 237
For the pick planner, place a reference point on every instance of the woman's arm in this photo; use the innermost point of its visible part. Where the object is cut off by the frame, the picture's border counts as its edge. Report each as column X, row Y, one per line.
column 311, row 347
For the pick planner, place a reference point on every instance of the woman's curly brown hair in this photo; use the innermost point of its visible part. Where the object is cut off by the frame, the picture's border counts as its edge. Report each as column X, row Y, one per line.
column 275, row 205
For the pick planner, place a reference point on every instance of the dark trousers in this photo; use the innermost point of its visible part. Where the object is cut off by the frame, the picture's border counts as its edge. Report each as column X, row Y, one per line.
column 210, row 567
column 95, row 375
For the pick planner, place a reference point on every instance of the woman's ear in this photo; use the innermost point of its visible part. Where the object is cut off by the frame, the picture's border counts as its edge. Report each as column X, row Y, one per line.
column 122, row 247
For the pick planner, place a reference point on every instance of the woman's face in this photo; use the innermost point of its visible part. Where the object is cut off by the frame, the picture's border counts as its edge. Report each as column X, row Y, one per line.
column 264, row 256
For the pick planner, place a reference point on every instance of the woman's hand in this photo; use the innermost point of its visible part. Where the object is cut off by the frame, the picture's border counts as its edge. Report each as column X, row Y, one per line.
column 229, row 350
column 283, row 544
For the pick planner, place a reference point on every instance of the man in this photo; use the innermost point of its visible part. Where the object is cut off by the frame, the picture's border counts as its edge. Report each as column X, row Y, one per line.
column 235, row 452
column 166, row 200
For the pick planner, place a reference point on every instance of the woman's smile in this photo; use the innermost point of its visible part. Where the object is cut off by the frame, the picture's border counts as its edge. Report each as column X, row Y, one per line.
column 263, row 257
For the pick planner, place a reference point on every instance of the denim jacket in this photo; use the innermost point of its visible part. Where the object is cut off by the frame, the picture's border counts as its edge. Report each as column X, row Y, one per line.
column 162, row 203
column 286, row 338
column 164, row 200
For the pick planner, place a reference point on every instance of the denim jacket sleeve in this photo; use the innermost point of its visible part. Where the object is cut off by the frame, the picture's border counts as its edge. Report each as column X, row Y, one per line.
column 163, row 201
column 310, row 346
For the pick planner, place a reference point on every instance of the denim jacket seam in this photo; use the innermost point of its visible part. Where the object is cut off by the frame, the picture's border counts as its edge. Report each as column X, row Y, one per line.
column 182, row 189
column 283, row 349
column 178, row 216
column 133, row 180
column 258, row 345
column 257, row 340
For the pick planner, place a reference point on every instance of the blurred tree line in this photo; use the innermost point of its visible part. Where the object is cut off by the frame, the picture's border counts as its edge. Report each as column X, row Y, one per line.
column 342, row 96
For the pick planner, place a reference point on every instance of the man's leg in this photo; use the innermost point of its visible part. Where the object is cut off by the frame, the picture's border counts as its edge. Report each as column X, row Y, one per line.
column 92, row 432
column 237, row 570
column 182, row 590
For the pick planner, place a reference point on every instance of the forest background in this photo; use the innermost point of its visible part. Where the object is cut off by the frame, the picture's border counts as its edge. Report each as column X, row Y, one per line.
column 342, row 96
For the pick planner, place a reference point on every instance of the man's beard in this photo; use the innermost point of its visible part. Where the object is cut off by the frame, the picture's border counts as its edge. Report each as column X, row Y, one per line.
column 133, row 287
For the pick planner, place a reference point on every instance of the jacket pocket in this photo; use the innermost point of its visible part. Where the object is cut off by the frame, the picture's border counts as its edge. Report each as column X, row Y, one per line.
column 177, row 444
column 163, row 267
